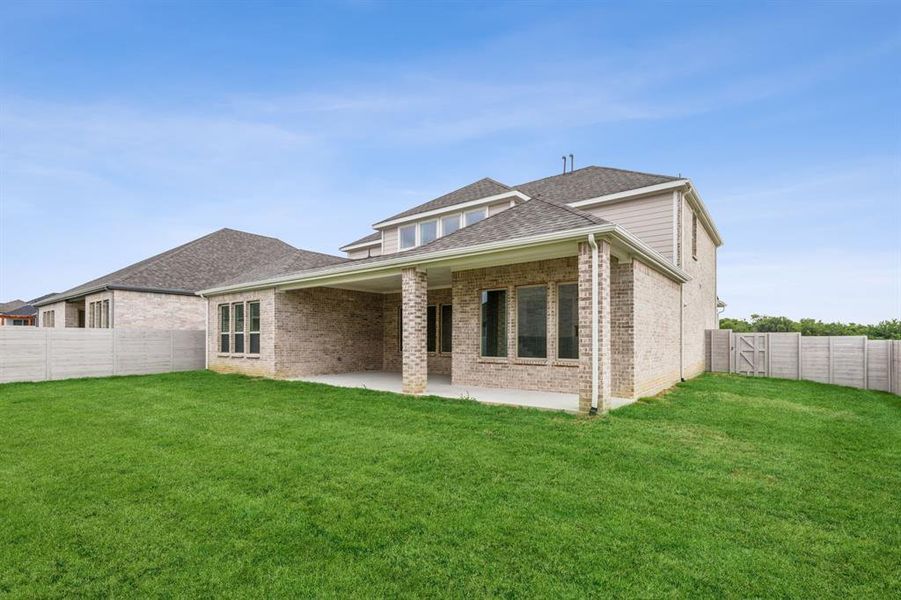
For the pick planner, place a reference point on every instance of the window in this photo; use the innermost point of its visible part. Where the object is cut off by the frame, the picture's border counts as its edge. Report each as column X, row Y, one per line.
column 494, row 323
column 450, row 224
column 104, row 314
column 431, row 329
column 253, row 310
column 694, row 235
column 568, row 320
column 407, row 236
column 19, row 322
column 224, row 328
column 48, row 318
column 238, row 317
column 531, row 322
column 474, row 216
column 91, row 315
column 428, row 232
column 447, row 328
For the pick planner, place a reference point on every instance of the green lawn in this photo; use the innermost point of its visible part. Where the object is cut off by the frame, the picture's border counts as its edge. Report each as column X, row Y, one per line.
column 198, row 484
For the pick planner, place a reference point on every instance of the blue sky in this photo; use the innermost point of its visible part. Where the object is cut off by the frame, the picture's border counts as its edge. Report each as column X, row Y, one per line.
column 128, row 128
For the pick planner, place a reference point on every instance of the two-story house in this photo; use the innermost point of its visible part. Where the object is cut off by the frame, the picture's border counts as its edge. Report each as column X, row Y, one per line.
column 598, row 282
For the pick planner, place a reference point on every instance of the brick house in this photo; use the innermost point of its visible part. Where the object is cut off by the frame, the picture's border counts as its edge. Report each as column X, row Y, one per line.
column 598, row 282
column 161, row 292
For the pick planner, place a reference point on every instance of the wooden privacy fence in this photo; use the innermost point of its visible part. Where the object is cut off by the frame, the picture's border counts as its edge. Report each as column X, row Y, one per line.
column 843, row 360
column 37, row 354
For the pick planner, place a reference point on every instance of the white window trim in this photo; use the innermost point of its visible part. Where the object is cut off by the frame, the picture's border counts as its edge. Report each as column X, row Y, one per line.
column 513, row 195
column 258, row 332
column 483, row 210
column 419, row 225
column 400, row 246
column 441, row 232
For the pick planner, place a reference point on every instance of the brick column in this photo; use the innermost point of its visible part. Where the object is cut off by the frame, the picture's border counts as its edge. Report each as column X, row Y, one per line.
column 414, row 299
column 585, row 326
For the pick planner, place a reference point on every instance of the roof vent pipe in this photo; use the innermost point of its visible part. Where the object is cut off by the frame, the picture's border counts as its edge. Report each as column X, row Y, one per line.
column 564, row 163
column 571, row 163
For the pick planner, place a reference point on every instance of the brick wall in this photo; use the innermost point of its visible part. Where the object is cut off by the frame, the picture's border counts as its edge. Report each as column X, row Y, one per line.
column 59, row 311
column 470, row 368
column 327, row 330
column 656, row 327
column 439, row 363
column 147, row 310
column 622, row 329
column 100, row 297
column 700, row 293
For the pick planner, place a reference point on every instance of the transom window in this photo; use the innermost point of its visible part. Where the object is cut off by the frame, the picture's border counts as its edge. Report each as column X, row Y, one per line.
column 419, row 234
column 474, row 216
column 531, row 322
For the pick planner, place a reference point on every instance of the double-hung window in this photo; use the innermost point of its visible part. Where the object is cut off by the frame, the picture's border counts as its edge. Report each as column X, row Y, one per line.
column 224, row 327
column 407, row 236
column 238, row 318
column 568, row 320
column 531, row 322
column 494, row 323
column 253, row 309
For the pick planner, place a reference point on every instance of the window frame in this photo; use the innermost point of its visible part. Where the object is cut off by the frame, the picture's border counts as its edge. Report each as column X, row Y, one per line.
column 506, row 355
column 441, row 330
column 419, row 236
column 104, row 314
column 483, row 210
column 400, row 329
column 547, row 304
column 235, row 334
column 400, row 236
column 224, row 333
column 443, row 232
column 433, row 308
column 250, row 330
column 560, row 284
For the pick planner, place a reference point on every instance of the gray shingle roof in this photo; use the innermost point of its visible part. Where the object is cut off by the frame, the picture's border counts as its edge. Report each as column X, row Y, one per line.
column 474, row 191
column 26, row 310
column 528, row 218
column 11, row 305
column 372, row 237
column 589, row 182
column 203, row 263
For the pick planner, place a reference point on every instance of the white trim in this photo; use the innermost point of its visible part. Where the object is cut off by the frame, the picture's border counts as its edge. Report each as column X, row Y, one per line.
column 419, row 230
column 363, row 245
column 389, row 266
column 452, row 208
column 595, row 366
column 400, row 247
column 642, row 191
column 694, row 199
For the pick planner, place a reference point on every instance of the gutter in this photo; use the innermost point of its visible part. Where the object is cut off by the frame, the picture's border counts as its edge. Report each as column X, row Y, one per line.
column 636, row 246
column 594, row 325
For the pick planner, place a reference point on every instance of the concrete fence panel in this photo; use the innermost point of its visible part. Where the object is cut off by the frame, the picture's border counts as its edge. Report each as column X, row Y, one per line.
column 37, row 354
column 843, row 360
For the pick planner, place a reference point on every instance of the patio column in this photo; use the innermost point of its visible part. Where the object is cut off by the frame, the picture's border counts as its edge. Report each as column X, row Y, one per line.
column 594, row 291
column 414, row 299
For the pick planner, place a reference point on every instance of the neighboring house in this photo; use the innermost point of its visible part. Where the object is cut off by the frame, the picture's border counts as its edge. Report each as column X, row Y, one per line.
column 161, row 292
column 599, row 282
column 19, row 313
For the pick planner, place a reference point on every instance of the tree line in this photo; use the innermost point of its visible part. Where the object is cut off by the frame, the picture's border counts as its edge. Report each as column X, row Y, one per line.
column 884, row 330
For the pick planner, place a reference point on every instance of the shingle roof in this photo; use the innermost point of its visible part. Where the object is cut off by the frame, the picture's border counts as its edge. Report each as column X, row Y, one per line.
column 529, row 218
column 474, row 191
column 589, row 182
column 372, row 237
column 11, row 305
column 203, row 263
column 26, row 310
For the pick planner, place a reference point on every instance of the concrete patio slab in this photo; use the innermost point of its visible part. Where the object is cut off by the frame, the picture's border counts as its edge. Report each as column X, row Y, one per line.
column 440, row 385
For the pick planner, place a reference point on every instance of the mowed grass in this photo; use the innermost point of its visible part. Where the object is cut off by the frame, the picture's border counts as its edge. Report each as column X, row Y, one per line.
column 205, row 485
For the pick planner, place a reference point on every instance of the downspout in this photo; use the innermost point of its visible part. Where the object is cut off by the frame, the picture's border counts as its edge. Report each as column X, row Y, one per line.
column 594, row 324
column 681, row 290
column 206, row 334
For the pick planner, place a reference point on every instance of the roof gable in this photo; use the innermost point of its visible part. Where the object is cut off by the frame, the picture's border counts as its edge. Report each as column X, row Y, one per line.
column 483, row 188
column 201, row 263
column 589, row 182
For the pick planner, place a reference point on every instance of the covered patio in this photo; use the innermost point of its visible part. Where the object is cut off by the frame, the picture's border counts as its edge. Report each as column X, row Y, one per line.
column 440, row 385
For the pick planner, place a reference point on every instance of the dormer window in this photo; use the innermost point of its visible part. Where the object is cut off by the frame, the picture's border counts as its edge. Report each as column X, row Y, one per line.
column 474, row 216
column 428, row 232
column 407, row 236
column 450, row 224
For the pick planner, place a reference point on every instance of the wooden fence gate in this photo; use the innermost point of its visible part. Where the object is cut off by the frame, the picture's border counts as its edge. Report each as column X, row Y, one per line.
column 751, row 354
